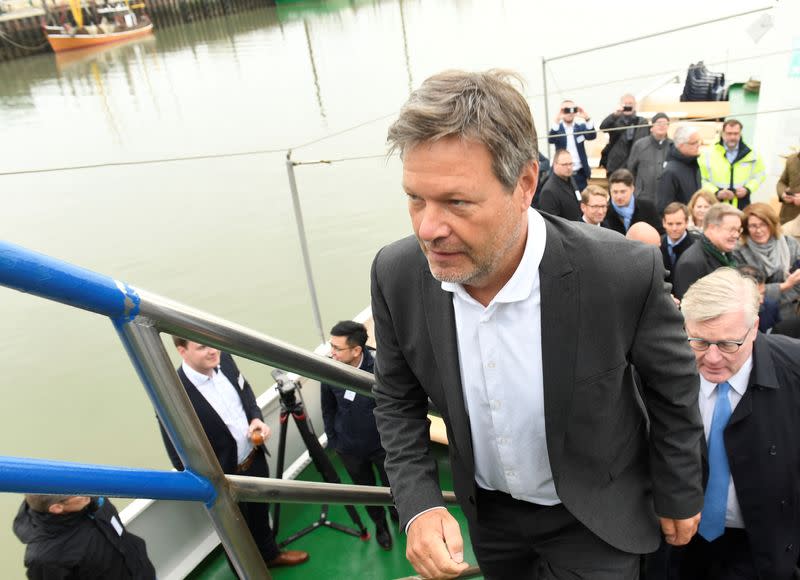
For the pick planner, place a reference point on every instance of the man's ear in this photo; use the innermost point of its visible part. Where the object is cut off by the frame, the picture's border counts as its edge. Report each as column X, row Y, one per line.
column 527, row 182
column 56, row 509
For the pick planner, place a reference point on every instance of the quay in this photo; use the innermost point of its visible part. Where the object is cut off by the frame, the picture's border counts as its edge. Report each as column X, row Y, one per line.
column 21, row 32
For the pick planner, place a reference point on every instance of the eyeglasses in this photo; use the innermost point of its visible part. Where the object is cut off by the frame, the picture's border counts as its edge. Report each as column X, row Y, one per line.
column 726, row 346
column 757, row 226
column 604, row 206
column 338, row 349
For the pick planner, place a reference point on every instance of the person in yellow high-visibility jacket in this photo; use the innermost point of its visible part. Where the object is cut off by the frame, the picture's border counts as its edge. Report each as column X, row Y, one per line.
column 730, row 169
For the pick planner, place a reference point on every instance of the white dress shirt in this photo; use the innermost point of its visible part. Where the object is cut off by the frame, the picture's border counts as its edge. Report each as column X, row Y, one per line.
column 572, row 141
column 222, row 396
column 500, row 357
column 707, row 400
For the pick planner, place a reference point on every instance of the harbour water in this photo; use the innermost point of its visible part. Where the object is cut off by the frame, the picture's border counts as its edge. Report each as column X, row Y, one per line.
column 217, row 231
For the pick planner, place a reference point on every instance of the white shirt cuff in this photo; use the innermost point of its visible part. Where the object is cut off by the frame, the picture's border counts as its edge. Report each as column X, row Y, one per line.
column 590, row 125
column 411, row 521
column 555, row 126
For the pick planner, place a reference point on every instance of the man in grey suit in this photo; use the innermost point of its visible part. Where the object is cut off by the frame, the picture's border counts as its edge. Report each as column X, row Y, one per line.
column 523, row 329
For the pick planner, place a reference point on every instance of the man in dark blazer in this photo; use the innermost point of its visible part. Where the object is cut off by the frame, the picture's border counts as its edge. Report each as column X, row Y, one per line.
column 567, row 133
column 230, row 416
column 624, row 208
column 722, row 228
column 676, row 239
column 522, row 330
column 350, row 422
column 750, row 403
column 560, row 195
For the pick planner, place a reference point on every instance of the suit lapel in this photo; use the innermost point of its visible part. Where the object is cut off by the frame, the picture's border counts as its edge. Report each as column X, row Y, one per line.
column 205, row 412
column 441, row 321
column 559, row 312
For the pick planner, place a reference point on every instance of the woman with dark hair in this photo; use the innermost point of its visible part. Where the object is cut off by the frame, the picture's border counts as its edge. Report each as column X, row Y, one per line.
column 777, row 255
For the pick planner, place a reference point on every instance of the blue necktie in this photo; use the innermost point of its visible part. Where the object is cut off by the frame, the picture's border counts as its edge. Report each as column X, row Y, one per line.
column 712, row 520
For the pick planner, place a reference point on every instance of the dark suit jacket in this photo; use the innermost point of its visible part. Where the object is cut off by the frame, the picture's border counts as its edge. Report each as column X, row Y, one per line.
column 219, row 436
column 693, row 265
column 643, row 211
column 350, row 424
column 606, row 471
column 558, row 137
column 679, row 250
column 762, row 441
column 558, row 198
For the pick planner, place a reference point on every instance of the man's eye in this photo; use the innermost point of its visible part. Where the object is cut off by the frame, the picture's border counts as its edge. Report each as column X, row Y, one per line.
column 458, row 202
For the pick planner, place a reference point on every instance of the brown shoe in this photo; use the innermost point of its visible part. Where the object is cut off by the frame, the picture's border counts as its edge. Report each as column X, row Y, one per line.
column 288, row 558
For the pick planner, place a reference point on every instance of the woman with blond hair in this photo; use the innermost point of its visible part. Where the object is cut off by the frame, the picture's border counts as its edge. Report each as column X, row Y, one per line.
column 777, row 255
column 698, row 206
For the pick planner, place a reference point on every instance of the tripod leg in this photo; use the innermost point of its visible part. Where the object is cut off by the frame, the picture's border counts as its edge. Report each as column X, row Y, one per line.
column 276, row 511
column 323, row 463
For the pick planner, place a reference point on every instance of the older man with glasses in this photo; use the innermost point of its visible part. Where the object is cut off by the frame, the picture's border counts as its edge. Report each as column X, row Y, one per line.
column 722, row 228
column 750, row 404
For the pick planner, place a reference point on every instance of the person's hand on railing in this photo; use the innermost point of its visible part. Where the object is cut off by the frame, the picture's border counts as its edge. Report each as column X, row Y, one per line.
column 435, row 547
column 258, row 432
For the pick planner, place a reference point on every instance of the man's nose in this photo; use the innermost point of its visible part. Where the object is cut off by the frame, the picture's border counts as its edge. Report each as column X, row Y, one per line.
column 713, row 354
column 432, row 224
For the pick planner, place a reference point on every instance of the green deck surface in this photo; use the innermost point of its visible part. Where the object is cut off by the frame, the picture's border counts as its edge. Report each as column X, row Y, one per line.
column 334, row 554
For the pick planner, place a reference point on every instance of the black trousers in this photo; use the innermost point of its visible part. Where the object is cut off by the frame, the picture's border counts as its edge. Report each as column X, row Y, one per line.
column 519, row 540
column 726, row 558
column 362, row 472
column 256, row 515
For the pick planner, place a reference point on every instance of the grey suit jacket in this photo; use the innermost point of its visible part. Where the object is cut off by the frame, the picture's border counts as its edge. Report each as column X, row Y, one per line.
column 604, row 308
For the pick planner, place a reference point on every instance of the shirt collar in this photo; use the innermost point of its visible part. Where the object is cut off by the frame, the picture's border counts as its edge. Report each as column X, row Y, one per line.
column 673, row 244
column 520, row 285
column 196, row 378
column 738, row 382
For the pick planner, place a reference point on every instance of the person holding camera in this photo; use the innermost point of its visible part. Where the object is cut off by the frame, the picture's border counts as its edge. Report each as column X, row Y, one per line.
column 624, row 128
column 567, row 133
column 231, row 418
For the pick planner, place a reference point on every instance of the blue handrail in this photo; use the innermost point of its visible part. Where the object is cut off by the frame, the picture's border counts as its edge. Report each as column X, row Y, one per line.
column 23, row 475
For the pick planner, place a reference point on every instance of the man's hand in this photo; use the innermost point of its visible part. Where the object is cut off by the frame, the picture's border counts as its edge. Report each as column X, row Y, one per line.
column 583, row 113
column 741, row 191
column 724, row 194
column 435, row 547
column 257, row 425
column 679, row 532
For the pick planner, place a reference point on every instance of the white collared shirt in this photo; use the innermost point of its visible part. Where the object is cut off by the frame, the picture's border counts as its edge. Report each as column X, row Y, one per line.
column 222, row 396
column 707, row 401
column 500, row 357
column 572, row 141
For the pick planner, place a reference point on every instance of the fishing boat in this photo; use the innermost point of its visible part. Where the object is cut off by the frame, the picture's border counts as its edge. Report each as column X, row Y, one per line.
column 117, row 22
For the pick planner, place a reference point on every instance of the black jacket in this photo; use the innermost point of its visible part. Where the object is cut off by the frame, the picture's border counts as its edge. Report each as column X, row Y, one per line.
column 684, row 245
column 615, row 153
column 349, row 423
column 219, row 436
column 693, row 265
column 558, row 197
column 643, row 211
column 681, row 178
column 81, row 546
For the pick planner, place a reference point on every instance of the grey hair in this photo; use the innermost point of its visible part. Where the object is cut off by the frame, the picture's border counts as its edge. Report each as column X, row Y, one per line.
column 484, row 107
column 717, row 213
column 683, row 134
column 723, row 291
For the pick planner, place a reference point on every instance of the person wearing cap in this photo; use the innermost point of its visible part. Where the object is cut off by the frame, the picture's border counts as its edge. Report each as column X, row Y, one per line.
column 649, row 156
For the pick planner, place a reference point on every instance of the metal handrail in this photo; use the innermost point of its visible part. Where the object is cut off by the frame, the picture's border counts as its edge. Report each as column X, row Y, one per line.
column 139, row 317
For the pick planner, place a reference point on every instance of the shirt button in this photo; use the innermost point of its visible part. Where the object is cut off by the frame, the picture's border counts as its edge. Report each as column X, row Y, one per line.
column 490, row 365
column 494, row 404
column 773, row 450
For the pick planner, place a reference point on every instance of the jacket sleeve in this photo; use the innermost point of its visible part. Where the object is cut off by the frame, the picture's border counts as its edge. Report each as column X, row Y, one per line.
column 783, row 182
column 328, row 404
column 555, row 135
column 608, row 122
column 171, row 453
column 632, row 164
column 757, row 175
column 670, row 387
column 50, row 572
column 589, row 133
column 401, row 411
column 686, row 273
column 705, row 179
column 667, row 190
column 548, row 202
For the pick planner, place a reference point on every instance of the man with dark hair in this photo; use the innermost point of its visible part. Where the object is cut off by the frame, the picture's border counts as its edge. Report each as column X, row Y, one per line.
column 625, row 208
column 624, row 128
column 560, row 194
column 350, row 422
column 232, row 420
column 722, row 228
column 730, row 169
column 563, row 136
column 676, row 238
column 78, row 537
column 521, row 328
column 648, row 158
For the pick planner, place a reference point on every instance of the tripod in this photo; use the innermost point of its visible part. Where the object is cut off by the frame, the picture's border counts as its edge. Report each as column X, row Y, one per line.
column 290, row 406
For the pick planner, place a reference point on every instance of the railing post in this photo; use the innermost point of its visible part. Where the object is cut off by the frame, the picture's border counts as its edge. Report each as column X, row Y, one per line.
column 546, row 103
column 172, row 404
column 301, row 233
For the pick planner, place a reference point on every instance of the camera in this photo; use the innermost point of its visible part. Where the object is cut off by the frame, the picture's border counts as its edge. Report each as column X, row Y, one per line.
column 568, row 110
column 285, row 384
column 795, row 266
column 627, row 108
